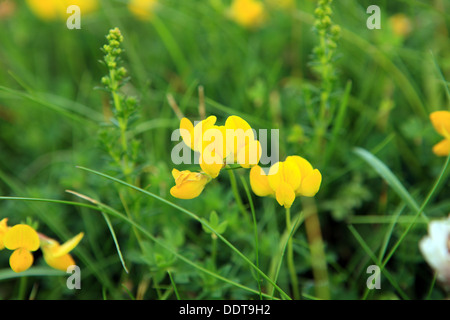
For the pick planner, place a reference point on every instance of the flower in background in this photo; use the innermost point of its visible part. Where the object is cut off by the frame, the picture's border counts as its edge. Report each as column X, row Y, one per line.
column 57, row 9
column 436, row 249
column 248, row 13
column 400, row 24
column 23, row 239
column 142, row 9
column 57, row 256
column 286, row 180
column 7, row 9
column 441, row 123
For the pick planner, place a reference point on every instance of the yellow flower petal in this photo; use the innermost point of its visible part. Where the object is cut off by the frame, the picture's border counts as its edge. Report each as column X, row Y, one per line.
column 311, row 184
column 442, row 148
column 259, row 182
column 285, row 195
column 441, row 122
column 200, row 129
column 286, row 171
column 236, row 122
column 3, row 230
column 238, row 135
column 188, row 185
column 21, row 236
column 68, row 246
column 303, row 165
column 214, row 141
column 187, row 132
column 211, row 163
column 20, row 260
column 250, row 154
column 57, row 262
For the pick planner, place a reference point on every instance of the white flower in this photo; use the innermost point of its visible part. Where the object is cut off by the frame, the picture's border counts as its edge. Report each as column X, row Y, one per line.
column 436, row 249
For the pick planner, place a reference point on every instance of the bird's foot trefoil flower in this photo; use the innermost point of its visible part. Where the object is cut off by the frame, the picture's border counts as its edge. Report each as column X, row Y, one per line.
column 23, row 239
column 286, row 180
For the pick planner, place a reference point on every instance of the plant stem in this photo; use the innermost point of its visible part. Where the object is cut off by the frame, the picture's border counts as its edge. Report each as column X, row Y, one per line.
column 238, row 197
column 316, row 246
column 290, row 258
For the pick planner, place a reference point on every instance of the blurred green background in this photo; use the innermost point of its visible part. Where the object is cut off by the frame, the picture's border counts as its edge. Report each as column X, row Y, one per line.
column 52, row 109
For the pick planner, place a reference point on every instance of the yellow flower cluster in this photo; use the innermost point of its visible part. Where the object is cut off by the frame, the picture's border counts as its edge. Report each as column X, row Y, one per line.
column 49, row 10
column 286, row 179
column 441, row 123
column 22, row 239
column 233, row 142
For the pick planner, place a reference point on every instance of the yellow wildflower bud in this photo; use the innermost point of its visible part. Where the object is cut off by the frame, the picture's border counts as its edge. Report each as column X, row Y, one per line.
column 142, row 9
column 57, row 256
column 247, row 13
column 188, row 185
column 22, row 239
column 441, row 123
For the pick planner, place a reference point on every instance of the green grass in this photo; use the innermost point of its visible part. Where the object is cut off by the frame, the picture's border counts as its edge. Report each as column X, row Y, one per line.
column 70, row 164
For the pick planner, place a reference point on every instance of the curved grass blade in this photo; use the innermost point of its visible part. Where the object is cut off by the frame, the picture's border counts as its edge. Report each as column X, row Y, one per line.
column 107, row 209
column 390, row 178
column 197, row 218
column 111, row 229
column 6, row 274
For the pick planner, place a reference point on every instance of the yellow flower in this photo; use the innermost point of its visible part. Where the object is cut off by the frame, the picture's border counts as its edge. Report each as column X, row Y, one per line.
column 233, row 143
column 57, row 9
column 142, row 9
column 286, row 179
column 441, row 123
column 3, row 229
column 22, row 239
column 248, row 13
column 188, row 185
column 218, row 145
column 259, row 182
column 57, row 256
column 400, row 24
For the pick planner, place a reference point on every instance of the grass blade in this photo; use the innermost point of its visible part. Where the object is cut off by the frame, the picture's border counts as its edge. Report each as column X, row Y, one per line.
column 197, row 218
